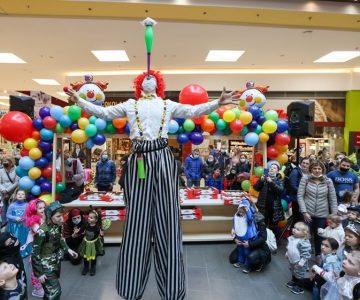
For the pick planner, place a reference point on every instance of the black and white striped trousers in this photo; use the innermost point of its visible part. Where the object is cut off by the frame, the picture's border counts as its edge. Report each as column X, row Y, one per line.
column 153, row 211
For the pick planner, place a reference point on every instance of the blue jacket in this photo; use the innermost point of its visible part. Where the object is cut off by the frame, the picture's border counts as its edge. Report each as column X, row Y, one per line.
column 294, row 181
column 105, row 172
column 193, row 167
column 214, row 182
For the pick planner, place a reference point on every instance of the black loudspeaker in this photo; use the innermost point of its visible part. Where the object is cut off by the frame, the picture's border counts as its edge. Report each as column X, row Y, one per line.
column 301, row 118
column 24, row 104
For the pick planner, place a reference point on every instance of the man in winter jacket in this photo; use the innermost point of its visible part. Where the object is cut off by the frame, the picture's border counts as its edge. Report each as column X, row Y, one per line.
column 193, row 167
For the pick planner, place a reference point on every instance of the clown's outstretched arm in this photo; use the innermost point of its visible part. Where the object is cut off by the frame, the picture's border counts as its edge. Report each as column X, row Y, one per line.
column 191, row 111
column 107, row 113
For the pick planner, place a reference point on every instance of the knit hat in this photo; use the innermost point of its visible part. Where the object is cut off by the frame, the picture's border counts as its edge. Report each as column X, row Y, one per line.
column 354, row 208
column 75, row 212
column 354, row 228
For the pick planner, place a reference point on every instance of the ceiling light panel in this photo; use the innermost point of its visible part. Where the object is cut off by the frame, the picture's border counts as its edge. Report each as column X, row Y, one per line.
column 10, row 58
column 224, row 55
column 46, row 81
column 110, row 55
column 338, row 56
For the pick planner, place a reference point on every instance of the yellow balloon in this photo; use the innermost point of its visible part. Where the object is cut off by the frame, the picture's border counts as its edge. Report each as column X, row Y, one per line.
column 269, row 126
column 282, row 158
column 83, row 122
column 263, row 137
column 229, row 116
column 246, row 117
column 281, row 148
column 46, row 198
column 66, row 108
column 35, row 153
column 30, row 143
column 34, row 173
column 78, row 136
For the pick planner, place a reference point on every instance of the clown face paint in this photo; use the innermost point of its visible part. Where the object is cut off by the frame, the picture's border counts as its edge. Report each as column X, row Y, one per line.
column 149, row 85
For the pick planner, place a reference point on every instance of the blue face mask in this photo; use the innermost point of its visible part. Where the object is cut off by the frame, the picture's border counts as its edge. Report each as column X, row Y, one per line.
column 104, row 157
column 76, row 222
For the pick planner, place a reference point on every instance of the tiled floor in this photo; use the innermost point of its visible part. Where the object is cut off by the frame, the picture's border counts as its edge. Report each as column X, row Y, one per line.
column 209, row 276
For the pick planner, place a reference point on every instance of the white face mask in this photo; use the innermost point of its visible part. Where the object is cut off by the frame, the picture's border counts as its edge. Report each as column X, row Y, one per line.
column 242, row 159
column 149, row 85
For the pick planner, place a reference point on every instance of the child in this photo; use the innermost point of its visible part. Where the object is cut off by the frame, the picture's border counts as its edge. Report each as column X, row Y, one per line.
column 10, row 286
column 330, row 266
column 215, row 179
column 16, row 216
column 92, row 244
column 353, row 214
column 34, row 218
column 352, row 240
column 48, row 247
column 334, row 229
column 342, row 213
column 298, row 254
column 244, row 230
column 351, row 268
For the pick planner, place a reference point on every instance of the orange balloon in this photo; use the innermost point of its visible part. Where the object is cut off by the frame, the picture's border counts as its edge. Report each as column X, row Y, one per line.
column 36, row 135
column 281, row 148
column 282, row 158
column 119, row 123
column 208, row 125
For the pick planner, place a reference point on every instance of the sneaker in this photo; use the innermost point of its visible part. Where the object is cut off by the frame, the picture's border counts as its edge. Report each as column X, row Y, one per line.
column 238, row 265
column 246, row 270
column 259, row 269
column 297, row 290
column 290, row 284
column 38, row 292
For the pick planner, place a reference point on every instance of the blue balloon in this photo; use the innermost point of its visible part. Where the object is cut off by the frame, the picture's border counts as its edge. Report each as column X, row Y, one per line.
column 261, row 119
column 45, row 146
column 21, row 172
column 89, row 144
column 46, row 187
column 255, row 111
column 46, row 134
column 100, row 124
column 65, row 121
column 127, row 128
column 42, row 162
column 44, row 112
column 99, row 139
column 26, row 163
column 251, row 139
column 180, row 121
column 38, row 124
column 49, row 156
column 26, row 183
column 74, row 126
column 56, row 112
column 182, row 138
column 244, row 131
column 40, row 180
column 282, row 125
column 35, row 190
column 253, row 124
column 173, row 126
column 196, row 138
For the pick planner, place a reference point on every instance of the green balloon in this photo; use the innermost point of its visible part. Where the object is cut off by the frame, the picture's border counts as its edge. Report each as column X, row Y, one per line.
column 237, row 112
column 245, row 185
column 110, row 128
column 189, row 125
column 92, row 119
column 221, row 124
column 284, row 205
column 259, row 171
column 271, row 115
column 181, row 130
column 258, row 129
column 90, row 130
column 59, row 128
column 60, row 187
column 227, row 131
column 74, row 112
column 149, row 37
column 214, row 116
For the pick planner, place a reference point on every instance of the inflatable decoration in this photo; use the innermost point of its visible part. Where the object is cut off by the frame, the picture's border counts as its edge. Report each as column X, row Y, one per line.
column 253, row 95
column 91, row 91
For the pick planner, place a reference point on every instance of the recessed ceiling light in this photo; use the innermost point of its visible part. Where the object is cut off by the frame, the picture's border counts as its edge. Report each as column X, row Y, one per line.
column 338, row 56
column 10, row 58
column 224, row 55
column 46, row 81
column 110, row 55
column 63, row 94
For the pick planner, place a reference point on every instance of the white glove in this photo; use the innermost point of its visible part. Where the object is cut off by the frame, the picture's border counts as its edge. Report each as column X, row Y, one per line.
column 317, row 269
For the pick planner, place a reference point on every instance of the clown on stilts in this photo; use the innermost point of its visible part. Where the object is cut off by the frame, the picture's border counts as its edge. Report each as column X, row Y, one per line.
column 151, row 189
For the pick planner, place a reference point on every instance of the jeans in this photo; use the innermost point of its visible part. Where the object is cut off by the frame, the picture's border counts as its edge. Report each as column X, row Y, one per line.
column 242, row 255
column 4, row 210
column 314, row 225
column 195, row 182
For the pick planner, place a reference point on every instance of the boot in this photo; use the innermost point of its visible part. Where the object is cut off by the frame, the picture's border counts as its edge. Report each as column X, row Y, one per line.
column 86, row 267
column 93, row 268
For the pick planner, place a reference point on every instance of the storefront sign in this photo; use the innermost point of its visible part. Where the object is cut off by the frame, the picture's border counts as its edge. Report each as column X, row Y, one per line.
column 357, row 139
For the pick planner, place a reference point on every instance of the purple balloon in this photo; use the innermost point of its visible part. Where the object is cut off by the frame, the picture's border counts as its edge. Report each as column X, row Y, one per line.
column 30, row 197
column 45, row 147
column 49, row 156
column 196, row 138
column 252, row 125
column 42, row 162
column 180, row 121
column 37, row 124
column 282, row 125
column 45, row 186
column 74, row 126
column 127, row 128
column 98, row 139
column 40, row 180
column 261, row 119
column 271, row 140
column 44, row 112
column 182, row 138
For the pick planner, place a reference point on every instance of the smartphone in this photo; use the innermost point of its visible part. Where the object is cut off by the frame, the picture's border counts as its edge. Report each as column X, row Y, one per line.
column 266, row 172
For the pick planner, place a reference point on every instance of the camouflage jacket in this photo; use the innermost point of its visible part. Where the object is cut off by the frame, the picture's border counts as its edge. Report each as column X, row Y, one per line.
column 48, row 249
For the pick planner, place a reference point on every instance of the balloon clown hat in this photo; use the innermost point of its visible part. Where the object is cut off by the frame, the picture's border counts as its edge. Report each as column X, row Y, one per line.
column 253, row 95
column 91, row 91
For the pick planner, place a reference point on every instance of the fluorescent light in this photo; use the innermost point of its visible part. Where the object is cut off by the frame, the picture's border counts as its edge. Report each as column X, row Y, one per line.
column 4, row 104
column 63, row 94
column 110, row 55
column 216, row 72
column 46, row 81
column 338, row 56
column 10, row 58
column 223, row 55
column 4, row 97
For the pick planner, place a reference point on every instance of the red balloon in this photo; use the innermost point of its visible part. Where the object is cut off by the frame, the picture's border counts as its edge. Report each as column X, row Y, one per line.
column 16, row 126
column 24, row 152
column 47, row 172
column 58, row 177
column 198, row 120
column 282, row 139
column 236, row 126
column 193, row 94
column 272, row 153
column 221, row 111
column 65, row 89
column 120, row 130
column 49, row 122
column 84, row 114
column 208, row 125
column 36, row 135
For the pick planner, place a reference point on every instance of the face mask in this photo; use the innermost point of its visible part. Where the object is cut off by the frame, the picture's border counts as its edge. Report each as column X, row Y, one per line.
column 5, row 165
column 76, row 222
column 149, row 85
column 216, row 175
column 242, row 159
column 223, row 151
column 343, row 170
column 233, row 172
column 68, row 162
column 210, row 160
column 319, row 176
column 104, row 157
column 196, row 155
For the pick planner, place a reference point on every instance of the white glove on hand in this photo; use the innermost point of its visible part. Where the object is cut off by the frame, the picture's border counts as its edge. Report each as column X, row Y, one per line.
column 317, row 269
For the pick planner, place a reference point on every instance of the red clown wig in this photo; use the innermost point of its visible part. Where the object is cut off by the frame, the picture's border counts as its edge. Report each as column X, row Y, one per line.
column 160, row 89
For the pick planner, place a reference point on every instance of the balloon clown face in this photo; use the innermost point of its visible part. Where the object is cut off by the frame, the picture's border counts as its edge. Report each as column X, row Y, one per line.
column 91, row 91
column 253, row 96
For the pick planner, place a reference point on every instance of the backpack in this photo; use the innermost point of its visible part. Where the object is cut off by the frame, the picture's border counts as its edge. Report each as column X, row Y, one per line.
column 271, row 240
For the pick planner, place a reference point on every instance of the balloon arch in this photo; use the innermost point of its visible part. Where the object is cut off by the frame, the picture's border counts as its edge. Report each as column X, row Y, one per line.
column 36, row 166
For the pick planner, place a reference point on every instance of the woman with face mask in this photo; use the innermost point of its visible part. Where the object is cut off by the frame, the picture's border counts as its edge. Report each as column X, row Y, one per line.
column 209, row 166
column 317, row 199
column 105, row 174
